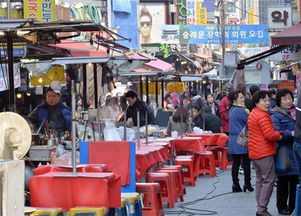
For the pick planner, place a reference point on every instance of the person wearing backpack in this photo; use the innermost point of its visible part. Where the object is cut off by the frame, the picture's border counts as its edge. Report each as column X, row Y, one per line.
column 238, row 117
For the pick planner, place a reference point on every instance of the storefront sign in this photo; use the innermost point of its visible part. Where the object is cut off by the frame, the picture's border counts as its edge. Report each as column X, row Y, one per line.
column 291, row 53
column 190, row 19
column 41, row 10
column 211, row 34
column 286, row 84
column 279, row 17
column 14, row 14
column 295, row 12
column 201, row 14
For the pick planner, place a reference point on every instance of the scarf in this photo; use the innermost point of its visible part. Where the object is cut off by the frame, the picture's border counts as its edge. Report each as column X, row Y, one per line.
column 244, row 107
column 282, row 110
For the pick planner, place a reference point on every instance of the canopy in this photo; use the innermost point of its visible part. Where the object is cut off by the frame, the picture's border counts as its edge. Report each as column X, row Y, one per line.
column 289, row 36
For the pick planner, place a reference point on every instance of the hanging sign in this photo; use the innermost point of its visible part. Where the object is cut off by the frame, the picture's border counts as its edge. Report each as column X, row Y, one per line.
column 41, row 10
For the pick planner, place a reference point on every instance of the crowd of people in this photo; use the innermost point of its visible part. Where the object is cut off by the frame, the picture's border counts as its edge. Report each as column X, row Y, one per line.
column 270, row 117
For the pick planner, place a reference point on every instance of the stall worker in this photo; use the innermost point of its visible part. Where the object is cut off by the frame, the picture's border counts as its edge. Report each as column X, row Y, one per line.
column 52, row 111
column 137, row 105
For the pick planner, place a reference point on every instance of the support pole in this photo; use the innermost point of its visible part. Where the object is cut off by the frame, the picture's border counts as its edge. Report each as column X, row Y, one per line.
column 141, row 88
column 162, row 94
column 73, row 128
column 95, row 85
column 85, row 104
column 146, row 90
column 157, row 92
column 11, row 77
column 222, row 23
column 138, row 129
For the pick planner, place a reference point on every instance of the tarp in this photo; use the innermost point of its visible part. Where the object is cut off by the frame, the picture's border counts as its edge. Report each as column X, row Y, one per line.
column 78, row 49
column 289, row 36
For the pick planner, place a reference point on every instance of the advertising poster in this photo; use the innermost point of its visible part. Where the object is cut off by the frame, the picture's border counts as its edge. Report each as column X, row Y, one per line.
column 4, row 77
column 40, row 10
column 151, row 17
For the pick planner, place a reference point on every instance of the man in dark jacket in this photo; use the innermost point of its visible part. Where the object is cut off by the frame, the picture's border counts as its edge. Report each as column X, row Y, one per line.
column 137, row 105
column 212, row 122
column 249, row 100
column 52, row 111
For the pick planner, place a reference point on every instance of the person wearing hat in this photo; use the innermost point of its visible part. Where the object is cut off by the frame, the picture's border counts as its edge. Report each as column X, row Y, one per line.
column 52, row 111
column 224, row 107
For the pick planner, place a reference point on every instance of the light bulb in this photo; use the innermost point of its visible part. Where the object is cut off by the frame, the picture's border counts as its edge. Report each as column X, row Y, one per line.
column 28, row 94
column 19, row 95
column 40, row 80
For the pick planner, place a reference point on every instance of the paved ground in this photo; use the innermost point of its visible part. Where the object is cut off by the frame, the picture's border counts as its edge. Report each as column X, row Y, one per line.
column 230, row 204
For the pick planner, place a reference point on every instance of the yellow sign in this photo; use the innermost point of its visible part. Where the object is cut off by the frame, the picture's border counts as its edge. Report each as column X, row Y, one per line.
column 175, row 87
column 151, row 88
column 201, row 14
column 41, row 10
column 251, row 16
column 14, row 14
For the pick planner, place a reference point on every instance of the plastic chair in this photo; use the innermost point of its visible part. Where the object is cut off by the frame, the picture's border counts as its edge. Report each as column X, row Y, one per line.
column 179, row 168
column 167, row 190
column 79, row 211
column 187, row 162
column 205, row 163
column 220, row 154
column 152, row 204
column 48, row 212
column 175, row 173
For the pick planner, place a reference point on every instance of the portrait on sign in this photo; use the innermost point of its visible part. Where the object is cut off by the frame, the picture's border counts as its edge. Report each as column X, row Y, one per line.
column 151, row 17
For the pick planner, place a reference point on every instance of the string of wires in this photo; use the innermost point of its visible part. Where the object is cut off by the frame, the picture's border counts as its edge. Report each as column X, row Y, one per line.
column 189, row 211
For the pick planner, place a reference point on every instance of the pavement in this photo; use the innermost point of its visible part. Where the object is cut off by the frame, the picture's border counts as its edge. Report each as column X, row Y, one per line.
column 215, row 195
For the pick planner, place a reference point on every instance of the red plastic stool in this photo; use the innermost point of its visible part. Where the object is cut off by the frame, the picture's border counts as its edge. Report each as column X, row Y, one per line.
column 181, row 177
column 205, row 163
column 176, row 181
column 188, row 163
column 152, row 199
column 166, row 187
column 220, row 154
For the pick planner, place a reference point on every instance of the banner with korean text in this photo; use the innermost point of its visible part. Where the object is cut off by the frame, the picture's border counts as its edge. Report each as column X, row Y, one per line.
column 211, row 34
column 40, row 10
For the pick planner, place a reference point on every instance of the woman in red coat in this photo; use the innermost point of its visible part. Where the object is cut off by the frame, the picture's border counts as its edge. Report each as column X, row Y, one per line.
column 262, row 148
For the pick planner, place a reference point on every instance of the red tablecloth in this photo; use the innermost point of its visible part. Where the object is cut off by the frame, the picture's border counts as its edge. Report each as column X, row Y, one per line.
column 88, row 189
column 116, row 154
column 68, row 168
column 188, row 144
column 219, row 139
column 149, row 155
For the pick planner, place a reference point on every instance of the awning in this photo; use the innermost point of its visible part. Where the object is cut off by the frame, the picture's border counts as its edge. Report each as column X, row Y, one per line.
column 202, row 56
column 78, row 49
column 289, row 36
column 154, row 63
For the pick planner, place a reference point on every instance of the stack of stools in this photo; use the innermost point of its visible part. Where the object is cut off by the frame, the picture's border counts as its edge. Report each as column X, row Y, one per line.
column 152, row 204
column 80, row 211
column 205, row 163
column 179, row 179
column 48, row 212
column 220, row 154
column 187, row 163
column 167, row 186
column 130, row 205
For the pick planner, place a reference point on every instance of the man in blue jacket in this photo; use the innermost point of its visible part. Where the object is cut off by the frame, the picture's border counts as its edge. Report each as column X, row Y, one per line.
column 56, row 113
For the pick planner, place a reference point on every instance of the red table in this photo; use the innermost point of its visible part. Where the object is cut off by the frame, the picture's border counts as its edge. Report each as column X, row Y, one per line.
column 219, row 139
column 192, row 144
column 87, row 189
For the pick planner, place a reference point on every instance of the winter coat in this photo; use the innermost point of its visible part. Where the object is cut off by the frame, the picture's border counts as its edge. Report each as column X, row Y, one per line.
column 212, row 123
column 185, row 127
column 262, row 134
column 284, row 122
column 238, row 119
column 216, row 111
column 223, row 111
column 62, row 121
column 298, row 118
column 143, row 108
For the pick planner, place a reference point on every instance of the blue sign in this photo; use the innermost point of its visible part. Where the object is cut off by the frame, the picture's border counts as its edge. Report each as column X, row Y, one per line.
column 212, row 34
column 122, row 6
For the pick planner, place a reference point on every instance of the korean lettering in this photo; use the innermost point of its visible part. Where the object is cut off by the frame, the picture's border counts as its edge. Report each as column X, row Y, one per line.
column 260, row 34
column 210, row 34
column 165, row 49
column 201, row 34
column 278, row 17
column 46, row 10
column 243, row 34
column 252, row 34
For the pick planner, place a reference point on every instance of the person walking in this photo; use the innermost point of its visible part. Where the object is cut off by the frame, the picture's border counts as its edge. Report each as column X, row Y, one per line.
column 238, row 117
column 262, row 148
column 287, row 181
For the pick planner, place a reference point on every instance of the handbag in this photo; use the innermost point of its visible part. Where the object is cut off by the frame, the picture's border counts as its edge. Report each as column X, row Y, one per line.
column 283, row 162
column 243, row 137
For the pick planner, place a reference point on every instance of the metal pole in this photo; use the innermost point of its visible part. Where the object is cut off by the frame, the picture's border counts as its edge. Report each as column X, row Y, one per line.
column 141, row 88
column 146, row 127
column 222, row 23
column 73, row 128
column 157, row 92
column 11, row 77
column 189, row 87
column 182, row 125
column 146, row 90
column 138, row 129
column 8, row 9
column 124, row 125
column 162, row 94
column 95, row 85
column 85, row 104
